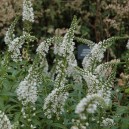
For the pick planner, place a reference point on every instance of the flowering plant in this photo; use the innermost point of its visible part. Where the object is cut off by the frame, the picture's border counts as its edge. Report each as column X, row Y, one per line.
column 42, row 94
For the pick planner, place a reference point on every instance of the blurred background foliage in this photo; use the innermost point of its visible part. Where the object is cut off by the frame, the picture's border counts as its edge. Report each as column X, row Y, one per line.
column 98, row 19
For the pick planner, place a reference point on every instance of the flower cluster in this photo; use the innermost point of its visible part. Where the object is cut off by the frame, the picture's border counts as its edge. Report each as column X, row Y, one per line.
column 99, row 79
column 60, row 79
column 27, row 93
column 55, row 101
column 15, row 44
column 65, row 49
column 64, row 67
column 27, row 90
column 27, row 13
column 97, row 86
column 97, row 53
column 14, row 48
column 92, row 82
column 43, row 49
column 89, row 105
column 85, row 41
column 4, row 121
column 107, row 122
column 104, row 70
column 9, row 36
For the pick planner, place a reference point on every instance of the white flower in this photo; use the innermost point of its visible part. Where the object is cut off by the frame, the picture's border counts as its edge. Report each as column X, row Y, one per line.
column 8, row 39
column 4, row 121
column 15, row 46
column 63, row 47
column 9, row 36
column 92, row 81
column 27, row 91
column 27, row 13
column 91, row 108
column 107, row 122
column 43, row 48
column 89, row 104
column 74, row 127
column 97, row 54
column 55, row 102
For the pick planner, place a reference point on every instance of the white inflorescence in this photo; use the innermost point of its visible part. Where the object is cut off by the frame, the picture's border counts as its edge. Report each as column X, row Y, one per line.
column 96, row 86
column 103, row 70
column 98, row 92
column 43, row 48
column 74, row 127
column 4, row 121
column 9, row 36
column 92, row 82
column 97, row 53
column 66, row 49
column 99, row 79
column 14, row 48
column 107, row 122
column 55, row 101
column 27, row 90
column 61, row 48
column 65, row 64
column 60, row 78
column 88, row 104
column 28, row 13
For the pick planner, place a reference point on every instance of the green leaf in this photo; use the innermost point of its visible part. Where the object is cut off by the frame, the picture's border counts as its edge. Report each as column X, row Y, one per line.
column 58, row 125
column 122, row 109
column 125, row 123
column 127, row 91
